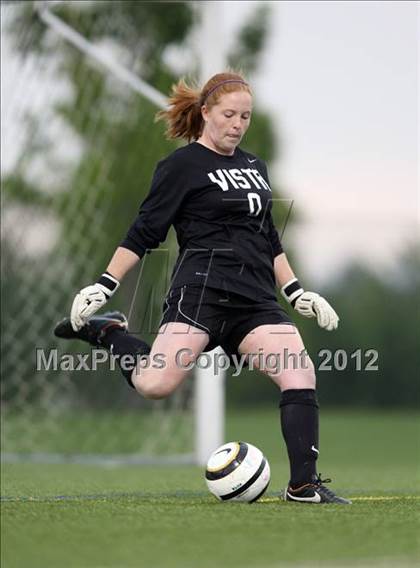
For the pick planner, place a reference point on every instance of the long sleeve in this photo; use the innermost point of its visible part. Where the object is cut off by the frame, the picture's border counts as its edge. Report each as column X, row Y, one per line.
column 159, row 209
column 272, row 231
column 274, row 238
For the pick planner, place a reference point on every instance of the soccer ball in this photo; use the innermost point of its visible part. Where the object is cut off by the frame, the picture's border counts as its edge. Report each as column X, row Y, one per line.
column 237, row 471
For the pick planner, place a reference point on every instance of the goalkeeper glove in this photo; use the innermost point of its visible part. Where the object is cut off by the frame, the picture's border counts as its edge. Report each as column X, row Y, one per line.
column 90, row 299
column 310, row 305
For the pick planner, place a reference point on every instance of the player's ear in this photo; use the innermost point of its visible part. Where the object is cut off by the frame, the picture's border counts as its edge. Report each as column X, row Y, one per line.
column 204, row 112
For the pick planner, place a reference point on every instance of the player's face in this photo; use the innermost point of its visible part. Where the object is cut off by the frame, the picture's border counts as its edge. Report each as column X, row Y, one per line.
column 227, row 121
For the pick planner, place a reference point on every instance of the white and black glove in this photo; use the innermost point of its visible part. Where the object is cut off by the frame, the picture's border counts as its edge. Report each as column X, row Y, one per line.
column 90, row 299
column 310, row 305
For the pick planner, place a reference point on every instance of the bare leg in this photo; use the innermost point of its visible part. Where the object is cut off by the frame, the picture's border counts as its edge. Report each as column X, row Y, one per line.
column 284, row 344
column 178, row 345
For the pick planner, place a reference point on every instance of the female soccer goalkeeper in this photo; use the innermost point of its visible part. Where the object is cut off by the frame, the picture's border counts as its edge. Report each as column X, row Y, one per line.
column 222, row 292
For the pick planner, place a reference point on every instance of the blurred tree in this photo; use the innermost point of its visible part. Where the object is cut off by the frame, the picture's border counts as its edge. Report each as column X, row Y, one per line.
column 380, row 314
column 100, row 196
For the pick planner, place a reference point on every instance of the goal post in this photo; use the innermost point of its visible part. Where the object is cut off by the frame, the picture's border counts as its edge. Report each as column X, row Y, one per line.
column 210, row 391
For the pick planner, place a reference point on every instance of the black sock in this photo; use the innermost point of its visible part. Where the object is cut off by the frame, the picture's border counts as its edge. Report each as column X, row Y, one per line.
column 120, row 343
column 299, row 424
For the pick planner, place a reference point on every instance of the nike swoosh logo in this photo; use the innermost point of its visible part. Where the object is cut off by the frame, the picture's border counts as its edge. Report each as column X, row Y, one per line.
column 252, row 161
column 228, row 450
column 314, row 449
column 314, row 499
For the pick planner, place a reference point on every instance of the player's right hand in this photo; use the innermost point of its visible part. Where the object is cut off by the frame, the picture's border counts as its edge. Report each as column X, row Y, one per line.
column 90, row 299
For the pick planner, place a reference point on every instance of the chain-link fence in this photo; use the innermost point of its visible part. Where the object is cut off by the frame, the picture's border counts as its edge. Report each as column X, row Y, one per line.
column 78, row 152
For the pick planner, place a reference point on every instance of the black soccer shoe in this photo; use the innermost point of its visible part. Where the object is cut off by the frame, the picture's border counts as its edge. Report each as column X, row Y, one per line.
column 94, row 329
column 314, row 492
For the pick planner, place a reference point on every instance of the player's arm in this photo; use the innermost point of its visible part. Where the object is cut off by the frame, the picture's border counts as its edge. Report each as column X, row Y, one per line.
column 122, row 262
column 149, row 229
column 282, row 270
column 307, row 304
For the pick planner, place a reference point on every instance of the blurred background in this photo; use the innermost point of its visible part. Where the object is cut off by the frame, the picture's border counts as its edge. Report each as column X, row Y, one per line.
column 336, row 120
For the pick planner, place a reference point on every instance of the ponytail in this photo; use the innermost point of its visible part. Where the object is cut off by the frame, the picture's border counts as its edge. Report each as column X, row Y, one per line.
column 183, row 117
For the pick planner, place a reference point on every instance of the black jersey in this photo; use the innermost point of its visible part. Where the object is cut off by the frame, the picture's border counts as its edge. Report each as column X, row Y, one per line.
column 220, row 207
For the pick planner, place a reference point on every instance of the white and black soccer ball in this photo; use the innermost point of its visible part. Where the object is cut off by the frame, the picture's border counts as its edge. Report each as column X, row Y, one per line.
column 237, row 471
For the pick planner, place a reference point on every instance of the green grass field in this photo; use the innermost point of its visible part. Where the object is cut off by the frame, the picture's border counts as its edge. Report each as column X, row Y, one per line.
column 89, row 516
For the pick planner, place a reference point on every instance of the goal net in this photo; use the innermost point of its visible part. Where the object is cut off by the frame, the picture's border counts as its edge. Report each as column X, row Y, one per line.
column 79, row 146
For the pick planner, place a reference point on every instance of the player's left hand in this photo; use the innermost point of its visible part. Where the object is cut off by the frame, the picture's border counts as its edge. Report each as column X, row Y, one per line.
column 311, row 304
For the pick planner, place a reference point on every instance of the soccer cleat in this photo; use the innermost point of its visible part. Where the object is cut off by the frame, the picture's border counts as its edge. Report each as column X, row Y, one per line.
column 314, row 492
column 94, row 329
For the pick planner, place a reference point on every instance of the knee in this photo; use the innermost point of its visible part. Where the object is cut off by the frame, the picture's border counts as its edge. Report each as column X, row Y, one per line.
column 149, row 389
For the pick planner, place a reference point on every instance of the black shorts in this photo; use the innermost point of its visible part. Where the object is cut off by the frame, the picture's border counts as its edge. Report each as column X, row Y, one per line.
column 226, row 317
